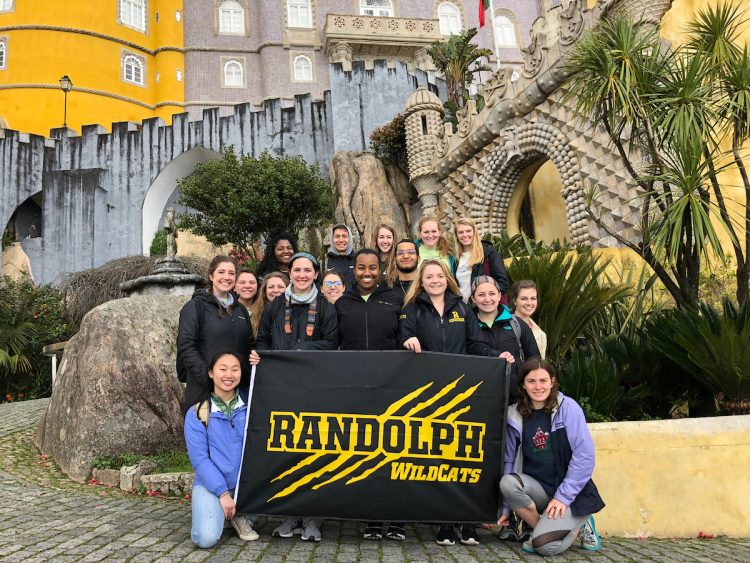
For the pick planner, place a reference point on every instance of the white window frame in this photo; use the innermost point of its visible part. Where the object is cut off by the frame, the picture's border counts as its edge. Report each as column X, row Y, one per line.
column 505, row 32
column 372, row 8
column 231, row 18
column 133, row 14
column 134, row 66
column 299, row 13
column 233, row 83
column 3, row 53
column 296, row 71
column 450, row 23
column 6, row 5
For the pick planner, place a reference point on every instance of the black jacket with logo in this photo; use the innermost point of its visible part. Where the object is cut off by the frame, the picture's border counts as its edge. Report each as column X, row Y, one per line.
column 342, row 263
column 205, row 329
column 456, row 332
column 271, row 334
column 492, row 266
column 371, row 324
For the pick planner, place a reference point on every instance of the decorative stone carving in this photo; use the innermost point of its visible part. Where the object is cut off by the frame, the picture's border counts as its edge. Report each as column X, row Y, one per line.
column 424, row 118
column 571, row 22
column 646, row 11
column 533, row 55
column 443, row 141
column 341, row 53
column 496, row 87
column 466, row 118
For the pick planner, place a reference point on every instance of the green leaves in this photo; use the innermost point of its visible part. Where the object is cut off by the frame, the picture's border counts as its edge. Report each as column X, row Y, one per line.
column 239, row 199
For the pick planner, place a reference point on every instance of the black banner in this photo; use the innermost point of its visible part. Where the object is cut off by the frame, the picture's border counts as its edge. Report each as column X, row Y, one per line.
column 375, row 436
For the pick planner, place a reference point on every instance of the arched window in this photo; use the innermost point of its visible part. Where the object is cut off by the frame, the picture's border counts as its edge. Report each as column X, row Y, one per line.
column 505, row 32
column 303, row 68
column 233, row 74
column 133, row 13
column 300, row 13
column 132, row 70
column 2, row 54
column 450, row 18
column 382, row 8
column 231, row 17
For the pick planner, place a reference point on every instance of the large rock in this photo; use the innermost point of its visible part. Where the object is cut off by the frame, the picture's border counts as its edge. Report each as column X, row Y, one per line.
column 368, row 192
column 116, row 390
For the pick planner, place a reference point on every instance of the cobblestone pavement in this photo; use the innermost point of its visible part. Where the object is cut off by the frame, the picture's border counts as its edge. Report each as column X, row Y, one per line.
column 43, row 524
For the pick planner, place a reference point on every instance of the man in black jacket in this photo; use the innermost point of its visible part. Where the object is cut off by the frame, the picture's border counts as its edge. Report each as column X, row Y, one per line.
column 407, row 264
column 340, row 257
column 368, row 320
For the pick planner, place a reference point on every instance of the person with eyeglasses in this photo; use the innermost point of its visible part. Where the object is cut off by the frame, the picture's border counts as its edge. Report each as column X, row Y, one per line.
column 403, row 269
column 333, row 286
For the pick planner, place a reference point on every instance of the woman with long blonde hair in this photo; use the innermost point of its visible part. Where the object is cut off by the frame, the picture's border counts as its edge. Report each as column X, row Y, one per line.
column 274, row 284
column 475, row 258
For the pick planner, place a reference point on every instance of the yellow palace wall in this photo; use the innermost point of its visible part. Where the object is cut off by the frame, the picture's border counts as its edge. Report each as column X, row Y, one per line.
column 47, row 39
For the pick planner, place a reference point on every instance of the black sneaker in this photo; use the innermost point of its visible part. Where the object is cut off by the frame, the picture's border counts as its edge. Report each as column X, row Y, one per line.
column 373, row 531
column 446, row 535
column 396, row 532
column 469, row 535
column 509, row 532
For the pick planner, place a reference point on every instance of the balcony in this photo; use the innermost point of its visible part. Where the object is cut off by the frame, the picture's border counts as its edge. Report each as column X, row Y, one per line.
column 350, row 37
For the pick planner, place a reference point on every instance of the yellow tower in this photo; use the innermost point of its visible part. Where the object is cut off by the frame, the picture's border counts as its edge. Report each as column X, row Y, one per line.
column 124, row 58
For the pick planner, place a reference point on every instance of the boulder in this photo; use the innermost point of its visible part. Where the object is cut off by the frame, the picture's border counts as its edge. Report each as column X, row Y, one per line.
column 367, row 192
column 116, row 390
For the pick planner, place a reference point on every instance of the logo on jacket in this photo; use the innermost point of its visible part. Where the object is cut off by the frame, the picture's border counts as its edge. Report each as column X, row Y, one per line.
column 540, row 439
column 420, row 426
column 456, row 318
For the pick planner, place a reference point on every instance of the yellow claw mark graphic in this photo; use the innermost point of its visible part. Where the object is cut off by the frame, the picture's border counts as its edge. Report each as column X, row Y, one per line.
column 390, row 411
column 304, row 463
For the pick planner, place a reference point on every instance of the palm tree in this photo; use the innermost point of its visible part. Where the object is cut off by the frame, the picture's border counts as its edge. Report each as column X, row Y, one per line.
column 458, row 59
column 13, row 341
column 657, row 105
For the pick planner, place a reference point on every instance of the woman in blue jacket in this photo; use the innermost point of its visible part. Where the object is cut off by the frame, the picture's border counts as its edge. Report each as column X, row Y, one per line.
column 214, row 431
column 549, row 461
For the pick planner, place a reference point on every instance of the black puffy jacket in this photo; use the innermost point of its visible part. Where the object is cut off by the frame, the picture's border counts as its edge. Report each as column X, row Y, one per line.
column 342, row 263
column 271, row 334
column 206, row 329
column 371, row 324
column 492, row 266
column 456, row 332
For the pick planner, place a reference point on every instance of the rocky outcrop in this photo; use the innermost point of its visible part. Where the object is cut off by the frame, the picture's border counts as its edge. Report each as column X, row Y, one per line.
column 367, row 192
column 16, row 262
column 116, row 391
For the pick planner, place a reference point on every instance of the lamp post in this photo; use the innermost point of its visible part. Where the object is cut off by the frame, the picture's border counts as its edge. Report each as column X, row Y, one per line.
column 66, row 85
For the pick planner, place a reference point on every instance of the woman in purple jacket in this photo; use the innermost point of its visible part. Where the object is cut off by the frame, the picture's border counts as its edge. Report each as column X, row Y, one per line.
column 549, row 460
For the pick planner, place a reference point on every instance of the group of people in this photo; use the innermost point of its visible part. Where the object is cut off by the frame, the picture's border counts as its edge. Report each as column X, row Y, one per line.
column 418, row 295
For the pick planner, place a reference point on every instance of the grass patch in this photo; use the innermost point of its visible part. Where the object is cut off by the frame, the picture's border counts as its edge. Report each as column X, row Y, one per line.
column 170, row 461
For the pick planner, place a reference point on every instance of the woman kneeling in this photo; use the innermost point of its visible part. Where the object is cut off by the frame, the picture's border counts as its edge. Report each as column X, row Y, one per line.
column 549, row 460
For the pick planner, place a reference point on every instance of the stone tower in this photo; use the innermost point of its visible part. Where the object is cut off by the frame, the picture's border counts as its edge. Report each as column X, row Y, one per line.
column 424, row 129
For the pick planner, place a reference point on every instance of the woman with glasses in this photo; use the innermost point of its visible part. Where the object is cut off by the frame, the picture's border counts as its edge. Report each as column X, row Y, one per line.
column 333, row 286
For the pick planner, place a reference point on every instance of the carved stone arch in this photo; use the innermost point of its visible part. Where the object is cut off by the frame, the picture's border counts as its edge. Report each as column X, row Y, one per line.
column 520, row 148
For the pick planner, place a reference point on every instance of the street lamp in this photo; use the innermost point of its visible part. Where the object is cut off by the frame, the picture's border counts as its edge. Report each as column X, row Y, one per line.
column 66, row 85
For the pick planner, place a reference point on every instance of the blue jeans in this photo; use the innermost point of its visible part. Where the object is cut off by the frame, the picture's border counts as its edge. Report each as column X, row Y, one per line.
column 208, row 517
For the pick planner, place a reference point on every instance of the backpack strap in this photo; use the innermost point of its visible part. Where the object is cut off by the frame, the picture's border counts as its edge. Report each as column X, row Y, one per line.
column 516, row 326
column 203, row 411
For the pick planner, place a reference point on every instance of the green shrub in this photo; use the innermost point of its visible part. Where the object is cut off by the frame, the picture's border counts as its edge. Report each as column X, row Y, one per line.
column 389, row 141
column 159, row 244
column 169, row 461
column 40, row 310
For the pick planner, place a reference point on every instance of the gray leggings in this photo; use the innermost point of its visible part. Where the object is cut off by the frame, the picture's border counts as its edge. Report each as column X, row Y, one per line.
column 550, row 537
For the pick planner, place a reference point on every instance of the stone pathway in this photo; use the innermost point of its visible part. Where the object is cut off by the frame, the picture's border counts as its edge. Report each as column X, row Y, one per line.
column 43, row 524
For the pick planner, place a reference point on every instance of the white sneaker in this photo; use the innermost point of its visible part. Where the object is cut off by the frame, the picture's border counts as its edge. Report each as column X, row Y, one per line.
column 244, row 527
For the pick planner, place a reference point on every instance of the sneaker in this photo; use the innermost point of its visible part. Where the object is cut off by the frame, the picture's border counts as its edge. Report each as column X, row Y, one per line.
column 396, row 532
column 446, row 535
column 469, row 535
column 523, row 530
column 509, row 532
column 373, row 531
column 310, row 530
column 244, row 527
column 285, row 529
column 590, row 540
column 528, row 547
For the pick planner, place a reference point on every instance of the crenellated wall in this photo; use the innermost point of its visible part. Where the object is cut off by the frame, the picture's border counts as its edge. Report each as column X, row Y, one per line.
column 104, row 194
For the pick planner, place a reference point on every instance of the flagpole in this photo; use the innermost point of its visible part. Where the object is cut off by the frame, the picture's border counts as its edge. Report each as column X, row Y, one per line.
column 244, row 436
column 494, row 39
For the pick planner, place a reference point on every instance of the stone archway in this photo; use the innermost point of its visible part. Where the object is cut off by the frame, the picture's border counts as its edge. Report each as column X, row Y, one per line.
column 520, row 149
column 164, row 185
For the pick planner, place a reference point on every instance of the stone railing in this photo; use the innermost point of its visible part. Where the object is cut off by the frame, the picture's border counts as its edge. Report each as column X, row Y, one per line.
column 348, row 36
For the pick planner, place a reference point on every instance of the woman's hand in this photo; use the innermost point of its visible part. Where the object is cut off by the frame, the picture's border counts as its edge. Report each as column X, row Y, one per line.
column 227, row 505
column 508, row 357
column 503, row 521
column 254, row 358
column 413, row 345
column 555, row 509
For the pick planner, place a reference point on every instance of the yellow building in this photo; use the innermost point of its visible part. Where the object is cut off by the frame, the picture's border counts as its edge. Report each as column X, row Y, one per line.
column 124, row 57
